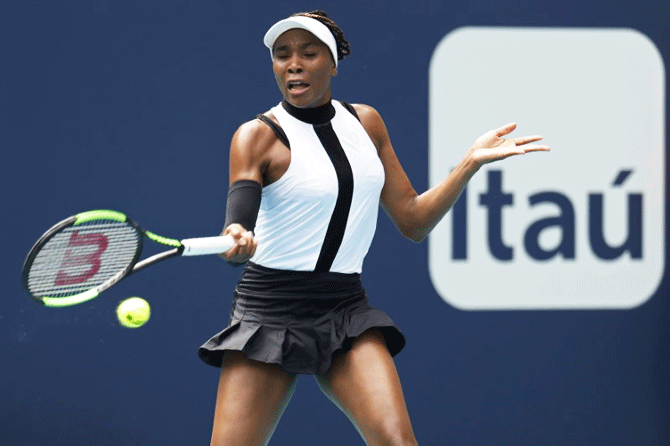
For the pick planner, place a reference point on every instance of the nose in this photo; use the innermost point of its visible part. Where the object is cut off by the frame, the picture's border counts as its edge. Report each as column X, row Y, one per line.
column 294, row 65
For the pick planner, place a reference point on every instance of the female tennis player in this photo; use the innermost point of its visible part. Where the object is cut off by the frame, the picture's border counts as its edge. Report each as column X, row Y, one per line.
column 306, row 181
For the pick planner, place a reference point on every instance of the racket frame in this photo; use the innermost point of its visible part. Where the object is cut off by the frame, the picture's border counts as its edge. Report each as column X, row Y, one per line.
column 133, row 266
column 186, row 247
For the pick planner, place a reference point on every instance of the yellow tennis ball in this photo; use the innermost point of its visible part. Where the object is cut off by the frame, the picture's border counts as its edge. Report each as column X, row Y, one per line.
column 133, row 312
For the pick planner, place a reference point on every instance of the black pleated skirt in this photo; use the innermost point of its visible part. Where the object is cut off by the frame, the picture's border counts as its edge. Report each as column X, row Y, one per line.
column 298, row 320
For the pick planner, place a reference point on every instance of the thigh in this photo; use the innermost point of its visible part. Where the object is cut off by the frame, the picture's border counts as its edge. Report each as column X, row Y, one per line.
column 364, row 383
column 250, row 400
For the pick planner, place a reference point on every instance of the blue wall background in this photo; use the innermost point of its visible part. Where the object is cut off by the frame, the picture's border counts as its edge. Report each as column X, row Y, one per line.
column 130, row 105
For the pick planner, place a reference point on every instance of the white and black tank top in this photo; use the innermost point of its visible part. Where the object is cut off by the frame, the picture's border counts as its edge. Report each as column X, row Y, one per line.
column 321, row 215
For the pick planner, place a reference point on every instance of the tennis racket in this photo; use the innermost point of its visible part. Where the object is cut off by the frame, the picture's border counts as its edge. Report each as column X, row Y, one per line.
column 84, row 255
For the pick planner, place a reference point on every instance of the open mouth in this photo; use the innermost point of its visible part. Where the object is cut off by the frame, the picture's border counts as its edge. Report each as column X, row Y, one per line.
column 297, row 86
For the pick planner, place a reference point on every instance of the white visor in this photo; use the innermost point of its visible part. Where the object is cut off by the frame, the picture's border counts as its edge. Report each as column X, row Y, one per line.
column 317, row 28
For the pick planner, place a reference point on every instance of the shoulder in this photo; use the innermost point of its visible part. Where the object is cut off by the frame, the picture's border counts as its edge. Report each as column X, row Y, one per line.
column 256, row 153
column 372, row 123
column 254, row 136
column 255, row 131
column 364, row 110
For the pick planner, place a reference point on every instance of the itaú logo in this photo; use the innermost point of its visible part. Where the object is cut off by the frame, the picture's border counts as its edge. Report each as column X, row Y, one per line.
column 580, row 227
column 495, row 199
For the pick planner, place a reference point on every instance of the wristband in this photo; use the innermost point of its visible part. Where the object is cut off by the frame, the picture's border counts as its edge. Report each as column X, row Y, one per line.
column 244, row 201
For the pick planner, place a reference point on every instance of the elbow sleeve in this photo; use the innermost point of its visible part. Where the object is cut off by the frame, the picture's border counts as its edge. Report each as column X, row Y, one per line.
column 244, row 201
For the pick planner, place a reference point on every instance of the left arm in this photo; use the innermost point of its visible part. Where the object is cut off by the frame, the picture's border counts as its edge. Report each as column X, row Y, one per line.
column 416, row 215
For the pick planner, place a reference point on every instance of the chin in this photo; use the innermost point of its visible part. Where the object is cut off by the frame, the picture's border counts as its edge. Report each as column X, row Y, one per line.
column 307, row 101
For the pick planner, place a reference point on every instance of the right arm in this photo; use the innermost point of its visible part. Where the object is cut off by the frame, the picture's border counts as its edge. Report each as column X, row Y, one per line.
column 250, row 159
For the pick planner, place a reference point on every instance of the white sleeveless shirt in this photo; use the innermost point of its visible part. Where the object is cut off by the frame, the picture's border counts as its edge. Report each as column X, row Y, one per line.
column 322, row 213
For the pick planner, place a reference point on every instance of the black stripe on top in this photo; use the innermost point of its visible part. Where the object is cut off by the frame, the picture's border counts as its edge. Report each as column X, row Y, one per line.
column 345, row 181
column 351, row 109
column 276, row 128
column 320, row 118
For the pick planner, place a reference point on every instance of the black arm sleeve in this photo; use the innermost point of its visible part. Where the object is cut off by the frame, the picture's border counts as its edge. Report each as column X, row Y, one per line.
column 244, row 200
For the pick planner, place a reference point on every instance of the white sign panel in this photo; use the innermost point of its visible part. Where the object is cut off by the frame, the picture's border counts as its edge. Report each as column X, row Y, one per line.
column 580, row 227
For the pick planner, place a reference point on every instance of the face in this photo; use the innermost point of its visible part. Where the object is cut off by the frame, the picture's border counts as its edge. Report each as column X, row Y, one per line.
column 303, row 67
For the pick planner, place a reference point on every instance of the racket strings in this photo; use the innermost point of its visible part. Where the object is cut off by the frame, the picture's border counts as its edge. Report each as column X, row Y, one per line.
column 82, row 257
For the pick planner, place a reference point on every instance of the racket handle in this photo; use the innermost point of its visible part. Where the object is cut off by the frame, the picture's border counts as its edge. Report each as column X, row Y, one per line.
column 207, row 245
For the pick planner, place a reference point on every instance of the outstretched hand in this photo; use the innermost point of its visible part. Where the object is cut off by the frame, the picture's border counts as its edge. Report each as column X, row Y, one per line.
column 491, row 146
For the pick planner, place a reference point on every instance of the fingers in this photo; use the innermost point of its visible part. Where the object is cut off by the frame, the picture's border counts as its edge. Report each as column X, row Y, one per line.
column 526, row 139
column 536, row 148
column 510, row 150
column 506, row 150
column 518, row 150
column 504, row 130
column 509, row 128
column 492, row 146
column 245, row 244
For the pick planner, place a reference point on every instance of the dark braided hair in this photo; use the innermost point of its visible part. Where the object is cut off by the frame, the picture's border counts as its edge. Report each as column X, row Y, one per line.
column 343, row 47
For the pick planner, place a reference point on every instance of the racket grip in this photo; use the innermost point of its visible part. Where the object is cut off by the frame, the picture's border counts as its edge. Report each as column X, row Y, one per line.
column 207, row 245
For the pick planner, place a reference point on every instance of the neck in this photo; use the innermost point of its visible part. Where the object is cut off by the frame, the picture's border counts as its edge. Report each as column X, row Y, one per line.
column 315, row 115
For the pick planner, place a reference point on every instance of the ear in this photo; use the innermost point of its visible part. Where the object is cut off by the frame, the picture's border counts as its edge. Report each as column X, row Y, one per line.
column 333, row 71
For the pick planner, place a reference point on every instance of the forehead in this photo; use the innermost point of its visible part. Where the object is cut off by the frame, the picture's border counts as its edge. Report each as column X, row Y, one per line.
column 297, row 37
